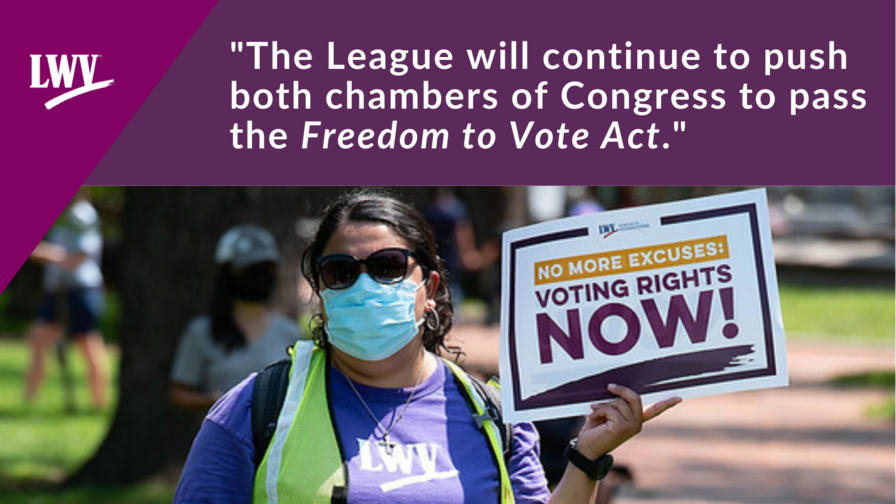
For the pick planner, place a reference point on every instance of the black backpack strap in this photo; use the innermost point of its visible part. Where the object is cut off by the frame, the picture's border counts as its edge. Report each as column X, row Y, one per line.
column 492, row 396
column 268, row 394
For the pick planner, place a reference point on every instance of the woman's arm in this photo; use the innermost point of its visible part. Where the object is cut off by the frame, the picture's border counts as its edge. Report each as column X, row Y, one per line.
column 189, row 369
column 609, row 425
column 221, row 464
column 219, row 469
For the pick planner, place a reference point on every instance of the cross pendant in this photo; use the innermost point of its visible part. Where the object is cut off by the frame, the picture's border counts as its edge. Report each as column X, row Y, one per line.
column 388, row 445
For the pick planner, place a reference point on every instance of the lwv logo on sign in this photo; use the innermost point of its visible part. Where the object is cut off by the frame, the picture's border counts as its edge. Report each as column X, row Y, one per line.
column 62, row 73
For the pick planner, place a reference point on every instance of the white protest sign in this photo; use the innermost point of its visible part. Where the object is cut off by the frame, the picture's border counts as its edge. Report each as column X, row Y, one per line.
column 672, row 299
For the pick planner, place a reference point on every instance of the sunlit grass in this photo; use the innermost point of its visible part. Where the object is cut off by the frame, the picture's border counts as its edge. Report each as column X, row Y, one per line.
column 839, row 313
column 41, row 444
column 886, row 410
column 150, row 493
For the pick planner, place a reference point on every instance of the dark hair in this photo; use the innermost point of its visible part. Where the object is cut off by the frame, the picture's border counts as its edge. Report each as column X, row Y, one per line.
column 224, row 329
column 377, row 206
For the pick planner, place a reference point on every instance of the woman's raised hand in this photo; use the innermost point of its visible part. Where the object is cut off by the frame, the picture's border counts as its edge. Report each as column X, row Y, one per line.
column 612, row 423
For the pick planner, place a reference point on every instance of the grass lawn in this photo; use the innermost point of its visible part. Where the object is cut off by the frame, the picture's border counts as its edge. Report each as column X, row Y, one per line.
column 839, row 314
column 41, row 443
column 149, row 493
column 851, row 315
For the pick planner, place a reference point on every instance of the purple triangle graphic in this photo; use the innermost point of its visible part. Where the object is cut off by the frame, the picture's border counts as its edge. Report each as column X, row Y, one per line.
column 51, row 152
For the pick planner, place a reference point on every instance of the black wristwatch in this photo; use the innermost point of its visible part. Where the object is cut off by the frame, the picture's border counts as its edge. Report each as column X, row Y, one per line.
column 594, row 469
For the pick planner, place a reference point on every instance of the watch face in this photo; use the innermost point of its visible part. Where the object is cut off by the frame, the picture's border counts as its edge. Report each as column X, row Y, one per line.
column 603, row 466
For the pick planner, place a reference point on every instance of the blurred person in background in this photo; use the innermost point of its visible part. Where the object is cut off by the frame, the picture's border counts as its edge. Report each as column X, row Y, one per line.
column 73, row 297
column 583, row 201
column 243, row 333
column 456, row 241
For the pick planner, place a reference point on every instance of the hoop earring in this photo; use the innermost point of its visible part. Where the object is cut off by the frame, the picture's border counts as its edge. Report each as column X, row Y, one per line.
column 315, row 329
column 429, row 320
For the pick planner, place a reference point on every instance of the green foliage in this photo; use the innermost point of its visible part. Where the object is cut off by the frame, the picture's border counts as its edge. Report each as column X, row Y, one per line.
column 109, row 202
column 10, row 324
column 885, row 379
column 841, row 313
column 878, row 379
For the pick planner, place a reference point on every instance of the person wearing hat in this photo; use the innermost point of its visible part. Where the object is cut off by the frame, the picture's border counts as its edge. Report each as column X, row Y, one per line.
column 243, row 333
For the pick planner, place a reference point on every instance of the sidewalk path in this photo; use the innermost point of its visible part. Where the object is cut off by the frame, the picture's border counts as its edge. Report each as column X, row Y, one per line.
column 808, row 443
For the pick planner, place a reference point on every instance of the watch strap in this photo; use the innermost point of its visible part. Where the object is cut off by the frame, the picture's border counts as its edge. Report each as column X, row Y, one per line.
column 594, row 469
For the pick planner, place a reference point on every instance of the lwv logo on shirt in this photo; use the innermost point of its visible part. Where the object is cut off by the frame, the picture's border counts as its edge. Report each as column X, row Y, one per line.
column 401, row 462
column 62, row 74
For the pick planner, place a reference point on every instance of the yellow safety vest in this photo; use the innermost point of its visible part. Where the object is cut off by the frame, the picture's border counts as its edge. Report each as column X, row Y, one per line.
column 305, row 464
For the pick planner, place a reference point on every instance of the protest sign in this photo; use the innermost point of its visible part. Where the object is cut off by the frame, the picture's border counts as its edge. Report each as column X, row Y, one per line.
column 672, row 299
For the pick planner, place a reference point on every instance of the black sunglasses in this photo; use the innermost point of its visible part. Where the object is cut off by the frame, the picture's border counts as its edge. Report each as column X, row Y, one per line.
column 386, row 266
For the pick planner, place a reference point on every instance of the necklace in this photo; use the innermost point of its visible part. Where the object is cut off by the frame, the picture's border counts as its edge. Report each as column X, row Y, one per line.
column 385, row 443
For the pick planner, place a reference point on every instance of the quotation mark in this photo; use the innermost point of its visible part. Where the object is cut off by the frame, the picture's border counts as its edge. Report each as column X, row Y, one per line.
column 675, row 127
column 238, row 47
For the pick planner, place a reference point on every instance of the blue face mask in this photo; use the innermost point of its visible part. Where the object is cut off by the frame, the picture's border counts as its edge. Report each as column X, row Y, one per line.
column 369, row 320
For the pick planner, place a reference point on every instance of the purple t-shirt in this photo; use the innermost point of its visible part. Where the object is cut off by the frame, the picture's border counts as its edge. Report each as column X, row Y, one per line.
column 432, row 460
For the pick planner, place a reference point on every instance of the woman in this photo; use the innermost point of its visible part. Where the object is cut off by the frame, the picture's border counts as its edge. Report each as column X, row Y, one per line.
column 372, row 414
column 243, row 334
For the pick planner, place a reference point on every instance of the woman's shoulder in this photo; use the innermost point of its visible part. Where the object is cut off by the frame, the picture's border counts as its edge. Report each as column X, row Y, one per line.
column 233, row 411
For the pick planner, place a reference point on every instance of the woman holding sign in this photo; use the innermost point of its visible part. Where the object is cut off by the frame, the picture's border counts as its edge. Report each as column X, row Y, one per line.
column 373, row 411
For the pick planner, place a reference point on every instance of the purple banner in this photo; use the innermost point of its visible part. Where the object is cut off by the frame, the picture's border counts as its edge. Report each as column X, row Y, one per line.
column 537, row 115
column 839, row 129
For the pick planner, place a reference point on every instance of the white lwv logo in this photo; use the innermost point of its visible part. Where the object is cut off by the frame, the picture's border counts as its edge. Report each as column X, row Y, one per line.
column 400, row 460
column 62, row 72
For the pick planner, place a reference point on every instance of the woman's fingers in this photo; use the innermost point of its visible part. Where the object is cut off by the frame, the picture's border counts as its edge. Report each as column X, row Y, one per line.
column 631, row 398
column 620, row 411
column 613, row 422
column 600, row 414
column 605, row 411
column 655, row 409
